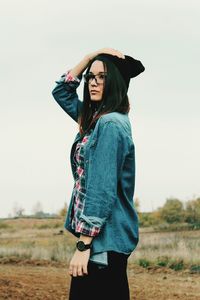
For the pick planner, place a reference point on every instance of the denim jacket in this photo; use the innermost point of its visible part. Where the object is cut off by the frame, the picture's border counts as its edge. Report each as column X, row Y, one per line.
column 109, row 175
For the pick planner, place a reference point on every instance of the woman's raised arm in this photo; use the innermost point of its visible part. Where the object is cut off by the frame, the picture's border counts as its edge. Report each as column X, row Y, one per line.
column 80, row 67
column 65, row 91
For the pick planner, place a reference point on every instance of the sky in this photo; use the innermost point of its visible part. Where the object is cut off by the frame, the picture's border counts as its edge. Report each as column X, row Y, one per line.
column 40, row 40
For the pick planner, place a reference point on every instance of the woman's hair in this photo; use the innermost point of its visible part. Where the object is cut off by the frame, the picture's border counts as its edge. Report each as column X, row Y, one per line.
column 114, row 97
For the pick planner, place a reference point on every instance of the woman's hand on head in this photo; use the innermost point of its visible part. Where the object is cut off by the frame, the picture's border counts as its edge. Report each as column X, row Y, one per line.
column 78, row 265
column 110, row 51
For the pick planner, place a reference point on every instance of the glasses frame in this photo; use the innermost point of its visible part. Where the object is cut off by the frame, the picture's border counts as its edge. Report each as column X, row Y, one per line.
column 93, row 77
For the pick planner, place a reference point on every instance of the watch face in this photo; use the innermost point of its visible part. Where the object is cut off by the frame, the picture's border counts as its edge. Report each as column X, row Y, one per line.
column 80, row 245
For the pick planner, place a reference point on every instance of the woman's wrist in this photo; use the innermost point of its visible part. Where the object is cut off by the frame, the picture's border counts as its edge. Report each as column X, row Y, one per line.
column 80, row 67
column 85, row 239
column 83, row 64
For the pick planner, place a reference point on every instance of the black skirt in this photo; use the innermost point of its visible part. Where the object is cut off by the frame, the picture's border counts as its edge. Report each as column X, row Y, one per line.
column 110, row 282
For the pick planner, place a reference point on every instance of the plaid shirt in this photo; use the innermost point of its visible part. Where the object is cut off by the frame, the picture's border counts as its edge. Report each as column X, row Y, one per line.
column 79, row 186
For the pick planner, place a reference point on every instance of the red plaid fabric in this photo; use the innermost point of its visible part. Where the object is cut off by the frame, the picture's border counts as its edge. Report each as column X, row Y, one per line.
column 69, row 77
column 79, row 192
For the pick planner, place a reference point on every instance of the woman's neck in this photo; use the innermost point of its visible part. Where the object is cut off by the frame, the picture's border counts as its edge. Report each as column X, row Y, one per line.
column 95, row 105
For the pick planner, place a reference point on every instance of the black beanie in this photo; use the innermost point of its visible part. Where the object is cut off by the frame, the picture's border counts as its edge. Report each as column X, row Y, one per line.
column 129, row 67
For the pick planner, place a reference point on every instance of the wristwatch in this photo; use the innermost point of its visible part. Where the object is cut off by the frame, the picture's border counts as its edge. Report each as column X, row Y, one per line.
column 81, row 246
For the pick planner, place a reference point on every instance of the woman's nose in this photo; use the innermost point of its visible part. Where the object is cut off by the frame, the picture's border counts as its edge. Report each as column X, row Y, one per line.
column 93, row 81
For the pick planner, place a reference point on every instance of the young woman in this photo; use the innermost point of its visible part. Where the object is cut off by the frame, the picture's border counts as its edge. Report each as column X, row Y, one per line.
column 101, row 213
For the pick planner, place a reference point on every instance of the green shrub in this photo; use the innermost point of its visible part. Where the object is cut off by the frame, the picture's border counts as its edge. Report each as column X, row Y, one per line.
column 177, row 265
column 162, row 261
column 143, row 262
column 195, row 269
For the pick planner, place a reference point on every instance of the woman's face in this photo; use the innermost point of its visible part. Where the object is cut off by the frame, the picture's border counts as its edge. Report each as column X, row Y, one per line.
column 96, row 87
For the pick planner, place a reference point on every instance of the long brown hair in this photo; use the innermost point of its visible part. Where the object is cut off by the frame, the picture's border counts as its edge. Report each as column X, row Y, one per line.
column 114, row 98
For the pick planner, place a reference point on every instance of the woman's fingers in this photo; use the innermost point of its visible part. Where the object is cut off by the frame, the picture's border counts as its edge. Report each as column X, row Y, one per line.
column 113, row 52
column 110, row 51
column 78, row 263
column 85, row 271
column 78, row 270
column 117, row 52
column 73, row 270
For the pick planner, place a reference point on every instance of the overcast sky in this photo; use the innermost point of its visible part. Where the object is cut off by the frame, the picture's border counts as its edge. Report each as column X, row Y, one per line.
column 41, row 39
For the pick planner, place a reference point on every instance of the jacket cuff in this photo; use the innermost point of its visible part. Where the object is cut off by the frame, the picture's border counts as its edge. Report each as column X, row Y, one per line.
column 69, row 86
column 83, row 228
column 69, row 77
column 89, row 225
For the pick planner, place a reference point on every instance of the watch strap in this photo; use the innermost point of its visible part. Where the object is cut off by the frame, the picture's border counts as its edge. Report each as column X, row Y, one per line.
column 81, row 246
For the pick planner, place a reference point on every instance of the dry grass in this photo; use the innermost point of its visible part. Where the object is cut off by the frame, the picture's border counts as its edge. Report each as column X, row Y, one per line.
column 35, row 239
column 163, row 248
column 34, row 259
column 40, row 239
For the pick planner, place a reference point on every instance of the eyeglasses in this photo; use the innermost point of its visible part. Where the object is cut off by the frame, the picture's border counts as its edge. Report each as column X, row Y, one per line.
column 99, row 78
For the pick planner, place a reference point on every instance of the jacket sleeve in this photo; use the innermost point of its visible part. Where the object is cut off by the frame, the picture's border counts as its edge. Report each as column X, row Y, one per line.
column 66, row 96
column 104, row 170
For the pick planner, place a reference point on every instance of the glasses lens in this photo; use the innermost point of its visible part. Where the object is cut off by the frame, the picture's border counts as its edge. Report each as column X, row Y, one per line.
column 87, row 78
column 99, row 78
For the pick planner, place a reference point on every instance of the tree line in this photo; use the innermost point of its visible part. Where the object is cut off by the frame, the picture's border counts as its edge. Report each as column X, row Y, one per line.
column 174, row 211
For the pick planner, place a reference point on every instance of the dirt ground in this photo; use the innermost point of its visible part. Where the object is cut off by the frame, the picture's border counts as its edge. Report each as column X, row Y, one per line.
column 37, row 280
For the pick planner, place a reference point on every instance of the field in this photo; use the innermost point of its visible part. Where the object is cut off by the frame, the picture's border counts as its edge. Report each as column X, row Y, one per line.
column 34, row 257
